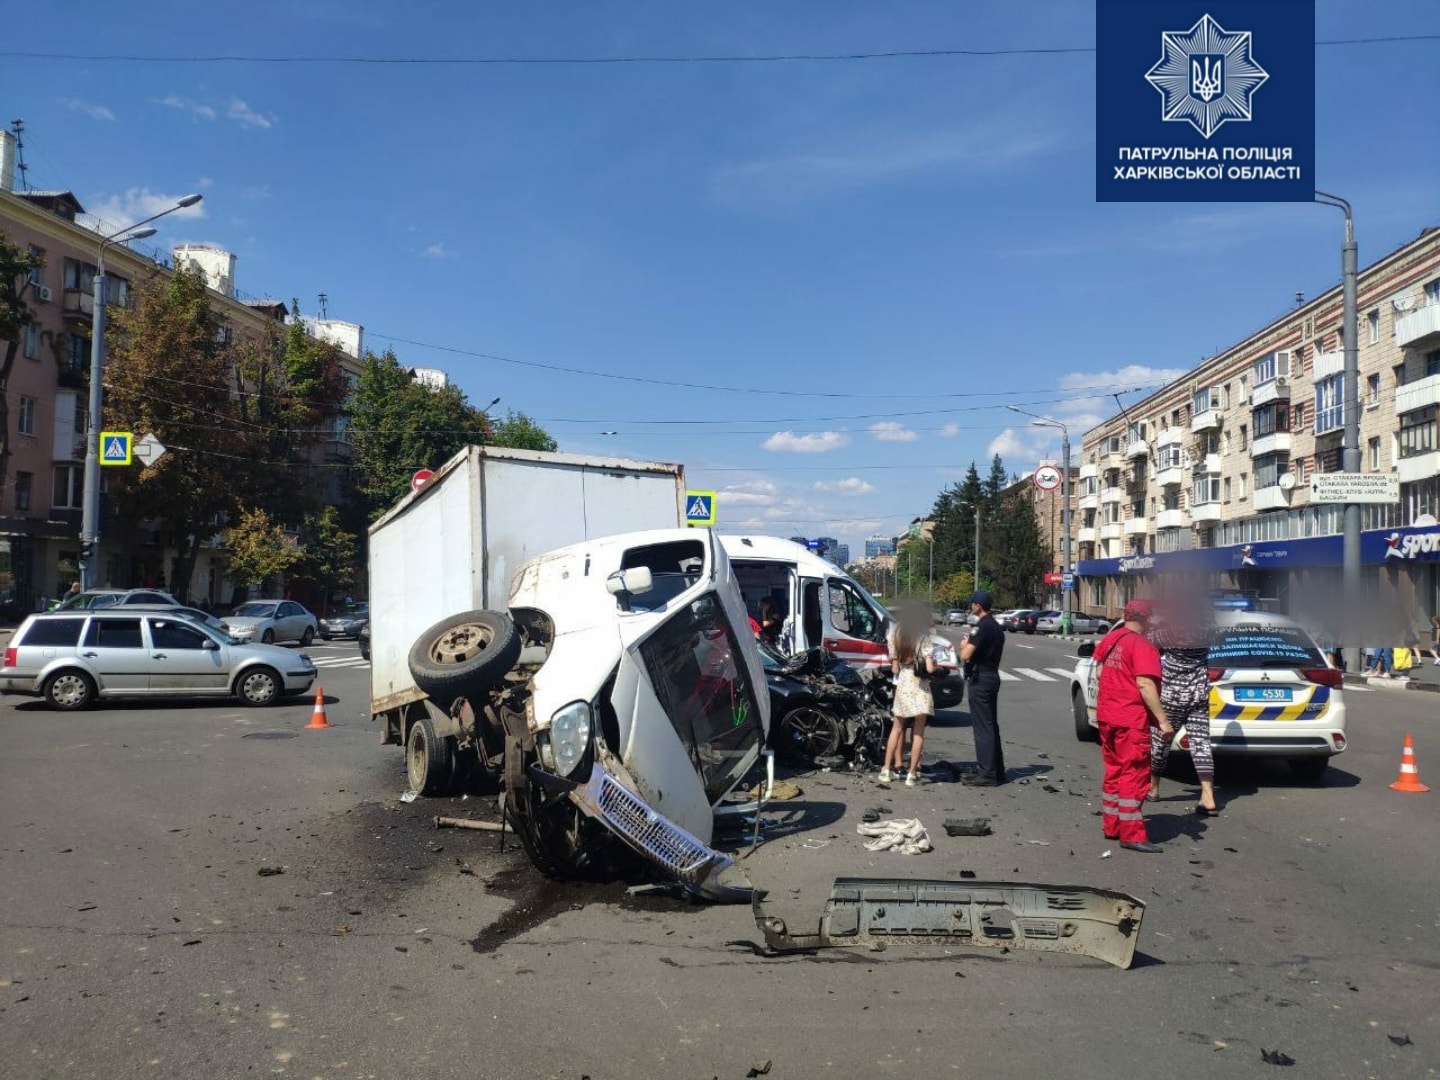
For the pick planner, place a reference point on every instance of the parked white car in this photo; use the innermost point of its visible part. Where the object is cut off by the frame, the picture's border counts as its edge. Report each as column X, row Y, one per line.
column 1080, row 623
column 1273, row 693
column 271, row 621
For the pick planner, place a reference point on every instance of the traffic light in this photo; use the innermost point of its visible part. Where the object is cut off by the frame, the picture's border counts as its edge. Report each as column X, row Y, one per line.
column 86, row 551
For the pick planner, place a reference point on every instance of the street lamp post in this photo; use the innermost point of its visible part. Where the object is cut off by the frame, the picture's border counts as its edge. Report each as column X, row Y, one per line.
column 90, row 508
column 1066, row 567
column 1350, row 404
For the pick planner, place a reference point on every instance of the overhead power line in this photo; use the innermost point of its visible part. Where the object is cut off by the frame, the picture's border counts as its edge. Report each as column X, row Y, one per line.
column 600, row 61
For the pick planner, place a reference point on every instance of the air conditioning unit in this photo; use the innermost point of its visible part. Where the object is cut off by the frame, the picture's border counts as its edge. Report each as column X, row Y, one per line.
column 43, row 293
column 1282, row 381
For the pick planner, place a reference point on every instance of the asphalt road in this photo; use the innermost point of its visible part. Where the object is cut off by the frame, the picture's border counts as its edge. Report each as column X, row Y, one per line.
column 138, row 936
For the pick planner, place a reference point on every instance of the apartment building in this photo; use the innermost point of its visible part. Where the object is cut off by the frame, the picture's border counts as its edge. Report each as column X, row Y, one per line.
column 1211, row 474
column 47, row 393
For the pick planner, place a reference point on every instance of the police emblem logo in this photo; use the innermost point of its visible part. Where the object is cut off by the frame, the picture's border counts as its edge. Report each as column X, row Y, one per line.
column 1206, row 76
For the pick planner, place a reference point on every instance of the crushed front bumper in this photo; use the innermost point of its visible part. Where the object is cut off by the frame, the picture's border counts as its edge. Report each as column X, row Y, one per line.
column 682, row 856
column 873, row 912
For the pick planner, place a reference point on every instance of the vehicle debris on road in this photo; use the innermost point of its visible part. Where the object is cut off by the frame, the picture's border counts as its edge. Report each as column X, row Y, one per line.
column 471, row 823
column 870, row 912
column 967, row 826
column 904, row 835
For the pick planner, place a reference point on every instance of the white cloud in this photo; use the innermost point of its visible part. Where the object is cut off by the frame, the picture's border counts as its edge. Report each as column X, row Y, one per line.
column 1085, row 411
column 194, row 109
column 1015, row 448
column 949, row 431
column 749, row 493
column 892, row 431
column 812, row 442
column 254, row 192
column 436, row 251
column 95, row 112
column 851, row 485
column 135, row 204
column 205, row 183
column 245, row 116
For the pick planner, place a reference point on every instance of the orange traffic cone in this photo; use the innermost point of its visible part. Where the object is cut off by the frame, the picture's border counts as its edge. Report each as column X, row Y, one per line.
column 1409, row 778
column 317, row 718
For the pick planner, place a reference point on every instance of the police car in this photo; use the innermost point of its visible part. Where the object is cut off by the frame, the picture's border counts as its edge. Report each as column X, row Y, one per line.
column 1273, row 693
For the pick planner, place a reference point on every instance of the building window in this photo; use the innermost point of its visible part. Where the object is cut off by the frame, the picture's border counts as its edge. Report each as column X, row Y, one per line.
column 1372, row 391
column 1227, row 489
column 1417, row 432
column 1374, row 453
column 32, row 341
column 1268, row 419
column 1399, row 372
column 1225, row 396
column 69, row 487
column 1268, row 469
column 37, row 271
column 1240, row 484
column 25, row 423
column 1432, row 363
column 1432, row 292
column 1205, row 400
column 1244, row 438
column 24, row 482
column 81, row 277
column 1373, row 322
column 1097, row 592
column 1298, row 467
column 1297, row 423
column 1329, row 405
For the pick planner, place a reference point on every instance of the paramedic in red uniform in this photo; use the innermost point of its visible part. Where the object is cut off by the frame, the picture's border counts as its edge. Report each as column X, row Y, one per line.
column 1127, row 705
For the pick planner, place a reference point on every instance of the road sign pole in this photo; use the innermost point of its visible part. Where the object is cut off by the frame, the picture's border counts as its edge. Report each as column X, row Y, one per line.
column 1350, row 389
column 90, row 505
column 1066, row 595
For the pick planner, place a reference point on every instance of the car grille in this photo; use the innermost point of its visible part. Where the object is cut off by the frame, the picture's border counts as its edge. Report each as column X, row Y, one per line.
column 664, row 841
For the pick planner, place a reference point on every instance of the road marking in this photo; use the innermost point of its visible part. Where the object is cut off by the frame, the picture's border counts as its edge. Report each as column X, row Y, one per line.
column 1031, row 673
column 1005, row 676
column 1019, row 646
column 340, row 661
column 1062, row 672
column 1351, row 688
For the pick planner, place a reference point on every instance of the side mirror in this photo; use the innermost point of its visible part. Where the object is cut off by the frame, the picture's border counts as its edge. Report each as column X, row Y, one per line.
column 1086, row 650
column 210, row 645
column 636, row 580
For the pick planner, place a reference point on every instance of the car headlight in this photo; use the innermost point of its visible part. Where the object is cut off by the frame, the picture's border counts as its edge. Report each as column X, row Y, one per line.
column 570, row 729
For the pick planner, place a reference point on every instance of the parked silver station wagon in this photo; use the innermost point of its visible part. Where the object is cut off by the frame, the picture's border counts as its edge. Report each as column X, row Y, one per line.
column 72, row 658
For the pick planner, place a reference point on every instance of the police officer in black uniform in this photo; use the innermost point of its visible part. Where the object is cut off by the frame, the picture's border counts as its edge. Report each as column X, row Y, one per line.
column 981, row 654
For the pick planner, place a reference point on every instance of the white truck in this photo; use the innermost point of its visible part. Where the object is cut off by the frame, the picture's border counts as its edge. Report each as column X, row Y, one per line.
column 454, row 544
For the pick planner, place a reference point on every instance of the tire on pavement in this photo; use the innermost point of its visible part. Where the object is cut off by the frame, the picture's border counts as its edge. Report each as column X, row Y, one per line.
column 429, row 759
column 464, row 655
column 1309, row 770
column 307, row 637
column 70, row 689
column 259, row 686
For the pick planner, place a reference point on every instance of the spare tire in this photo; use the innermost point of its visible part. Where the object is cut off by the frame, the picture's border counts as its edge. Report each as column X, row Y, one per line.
column 464, row 655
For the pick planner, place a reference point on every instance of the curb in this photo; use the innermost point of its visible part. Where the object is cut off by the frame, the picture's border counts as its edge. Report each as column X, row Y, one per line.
column 1381, row 683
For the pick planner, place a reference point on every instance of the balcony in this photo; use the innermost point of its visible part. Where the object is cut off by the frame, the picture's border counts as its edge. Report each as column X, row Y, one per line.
column 1417, row 395
column 1171, row 476
column 1170, row 437
column 1170, row 519
column 1327, row 364
column 1209, row 420
column 1415, row 327
column 1085, row 536
column 1087, row 471
column 1277, row 442
column 1273, row 497
column 1111, row 531
column 1137, row 526
column 1089, row 502
column 78, row 304
column 1274, row 390
column 1201, row 513
column 1112, row 494
column 1419, row 467
column 1207, row 465
column 1137, row 448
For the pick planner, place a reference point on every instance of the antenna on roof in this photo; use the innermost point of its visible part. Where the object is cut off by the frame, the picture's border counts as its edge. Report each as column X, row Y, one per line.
column 18, row 126
column 1299, row 299
column 323, row 301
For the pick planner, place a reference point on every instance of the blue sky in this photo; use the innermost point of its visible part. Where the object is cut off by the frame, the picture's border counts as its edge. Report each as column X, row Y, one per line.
column 866, row 237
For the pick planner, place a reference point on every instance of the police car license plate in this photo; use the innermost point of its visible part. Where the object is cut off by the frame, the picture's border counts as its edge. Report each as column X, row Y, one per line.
column 1262, row 693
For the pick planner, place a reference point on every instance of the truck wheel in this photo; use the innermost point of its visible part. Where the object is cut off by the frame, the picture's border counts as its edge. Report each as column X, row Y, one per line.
column 807, row 733
column 364, row 639
column 1083, row 731
column 429, row 758
column 464, row 655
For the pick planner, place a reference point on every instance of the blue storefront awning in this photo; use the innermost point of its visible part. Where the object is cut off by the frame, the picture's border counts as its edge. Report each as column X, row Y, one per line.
column 1416, row 544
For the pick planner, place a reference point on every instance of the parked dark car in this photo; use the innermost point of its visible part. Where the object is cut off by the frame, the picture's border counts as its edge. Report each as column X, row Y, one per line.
column 346, row 624
column 1030, row 618
column 1015, row 620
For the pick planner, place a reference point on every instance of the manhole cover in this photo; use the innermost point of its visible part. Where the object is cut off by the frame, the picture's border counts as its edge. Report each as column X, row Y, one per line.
column 270, row 735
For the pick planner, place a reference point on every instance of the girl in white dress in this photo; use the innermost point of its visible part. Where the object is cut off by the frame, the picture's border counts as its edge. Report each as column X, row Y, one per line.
column 914, row 704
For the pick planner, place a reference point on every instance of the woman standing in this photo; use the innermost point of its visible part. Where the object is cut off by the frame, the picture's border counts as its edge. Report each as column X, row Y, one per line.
column 908, row 642
column 1183, row 635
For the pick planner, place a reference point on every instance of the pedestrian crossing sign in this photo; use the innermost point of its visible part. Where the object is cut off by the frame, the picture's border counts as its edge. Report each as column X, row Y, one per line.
column 116, row 447
column 700, row 508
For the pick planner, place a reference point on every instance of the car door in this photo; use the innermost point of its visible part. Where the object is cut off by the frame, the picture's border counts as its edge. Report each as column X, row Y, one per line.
column 292, row 622
column 115, row 649
column 854, row 632
column 183, row 660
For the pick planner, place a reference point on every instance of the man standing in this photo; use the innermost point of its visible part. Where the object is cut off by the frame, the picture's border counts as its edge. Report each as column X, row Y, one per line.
column 981, row 656
column 1126, row 705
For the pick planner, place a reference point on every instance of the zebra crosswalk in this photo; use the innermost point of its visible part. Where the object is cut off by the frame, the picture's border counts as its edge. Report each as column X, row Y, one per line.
column 1035, row 674
column 349, row 658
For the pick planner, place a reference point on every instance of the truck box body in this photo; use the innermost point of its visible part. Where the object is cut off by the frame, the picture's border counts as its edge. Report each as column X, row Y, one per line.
column 453, row 545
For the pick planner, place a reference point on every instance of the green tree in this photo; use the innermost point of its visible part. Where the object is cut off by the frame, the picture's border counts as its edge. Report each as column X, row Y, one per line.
column 329, row 554
column 15, row 316
column 956, row 589
column 259, row 549
column 170, row 373
column 519, row 432
column 398, row 425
